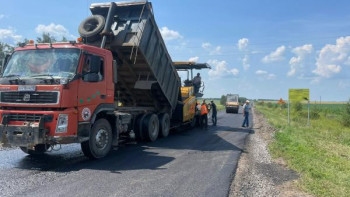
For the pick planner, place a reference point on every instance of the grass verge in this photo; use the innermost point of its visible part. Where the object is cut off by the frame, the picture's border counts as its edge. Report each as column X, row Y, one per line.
column 216, row 101
column 320, row 153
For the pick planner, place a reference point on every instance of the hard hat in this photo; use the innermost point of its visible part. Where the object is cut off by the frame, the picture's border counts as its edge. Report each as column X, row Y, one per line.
column 247, row 101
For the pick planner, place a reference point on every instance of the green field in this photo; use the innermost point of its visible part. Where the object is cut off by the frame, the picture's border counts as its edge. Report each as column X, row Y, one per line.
column 320, row 153
column 328, row 108
column 216, row 101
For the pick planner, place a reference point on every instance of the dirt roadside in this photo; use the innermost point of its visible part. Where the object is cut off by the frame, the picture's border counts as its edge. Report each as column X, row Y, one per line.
column 257, row 173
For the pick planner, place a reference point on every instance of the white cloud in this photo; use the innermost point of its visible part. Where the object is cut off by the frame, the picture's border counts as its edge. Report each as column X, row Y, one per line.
column 303, row 50
column 9, row 36
column 344, row 84
column 220, row 69
column 331, row 58
column 245, row 62
column 327, row 70
column 193, row 59
column 211, row 49
column 296, row 62
column 271, row 76
column 234, row 71
column 168, row 34
column 264, row 74
column 242, row 43
column 316, row 80
column 57, row 31
column 255, row 52
column 206, row 45
column 261, row 72
column 2, row 16
column 275, row 56
column 216, row 51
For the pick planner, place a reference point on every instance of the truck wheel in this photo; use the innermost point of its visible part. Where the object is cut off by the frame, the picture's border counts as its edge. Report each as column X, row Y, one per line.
column 164, row 122
column 39, row 149
column 138, row 127
column 150, row 127
column 91, row 27
column 100, row 142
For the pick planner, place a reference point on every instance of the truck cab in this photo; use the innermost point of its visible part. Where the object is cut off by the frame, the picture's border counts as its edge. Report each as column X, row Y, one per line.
column 51, row 94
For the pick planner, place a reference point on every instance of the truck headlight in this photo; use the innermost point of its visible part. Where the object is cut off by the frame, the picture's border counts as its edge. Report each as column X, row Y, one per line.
column 62, row 123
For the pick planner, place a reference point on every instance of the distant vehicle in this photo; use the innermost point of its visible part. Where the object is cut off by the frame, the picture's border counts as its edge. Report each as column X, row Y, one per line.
column 232, row 104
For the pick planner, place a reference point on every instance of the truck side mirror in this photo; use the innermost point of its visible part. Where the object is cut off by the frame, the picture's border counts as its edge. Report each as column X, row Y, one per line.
column 6, row 59
column 95, row 64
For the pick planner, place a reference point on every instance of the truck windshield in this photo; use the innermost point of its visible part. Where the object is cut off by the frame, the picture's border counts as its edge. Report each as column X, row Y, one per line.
column 232, row 98
column 43, row 62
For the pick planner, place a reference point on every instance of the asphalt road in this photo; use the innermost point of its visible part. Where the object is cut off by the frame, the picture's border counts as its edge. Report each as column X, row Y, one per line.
column 187, row 163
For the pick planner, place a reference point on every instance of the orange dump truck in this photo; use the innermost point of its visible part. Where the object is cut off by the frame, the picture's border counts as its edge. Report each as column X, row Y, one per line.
column 117, row 83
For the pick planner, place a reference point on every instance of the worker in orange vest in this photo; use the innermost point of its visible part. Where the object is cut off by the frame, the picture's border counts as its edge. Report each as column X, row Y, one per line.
column 204, row 115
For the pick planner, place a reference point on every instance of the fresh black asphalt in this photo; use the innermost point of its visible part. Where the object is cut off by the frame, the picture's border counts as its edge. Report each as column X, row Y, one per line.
column 187, row 163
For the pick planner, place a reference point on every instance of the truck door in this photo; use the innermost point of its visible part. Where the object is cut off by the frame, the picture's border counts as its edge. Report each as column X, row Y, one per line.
column 92, row 87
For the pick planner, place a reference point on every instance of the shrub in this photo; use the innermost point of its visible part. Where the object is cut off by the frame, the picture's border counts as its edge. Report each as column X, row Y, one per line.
column 223, row 100
column 269, row 105
column 315, row 113
column 284, row 106
column 260, row 103
column 346, row 115
column 346, row 120
column 298, row 107
column 347, row 108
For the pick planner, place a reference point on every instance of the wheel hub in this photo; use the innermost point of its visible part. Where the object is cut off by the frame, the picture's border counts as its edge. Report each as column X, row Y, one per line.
column 101, row 138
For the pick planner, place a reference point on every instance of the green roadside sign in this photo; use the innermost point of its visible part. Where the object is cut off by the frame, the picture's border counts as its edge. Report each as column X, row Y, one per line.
column 298, row 95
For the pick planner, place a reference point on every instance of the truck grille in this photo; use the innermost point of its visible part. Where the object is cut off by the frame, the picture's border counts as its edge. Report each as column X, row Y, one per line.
column 27, row 117
column 29, row 97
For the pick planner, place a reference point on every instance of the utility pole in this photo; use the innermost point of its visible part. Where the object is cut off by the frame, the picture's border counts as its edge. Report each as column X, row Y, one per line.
column 288, row 113
column 308, row 113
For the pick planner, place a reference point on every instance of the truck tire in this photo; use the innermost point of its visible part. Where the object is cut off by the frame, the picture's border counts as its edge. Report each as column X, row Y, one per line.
column 91, row 27
column 150, row 127
column 39, row 149
column 138, row 127
column 164, row 123
column 100, row 142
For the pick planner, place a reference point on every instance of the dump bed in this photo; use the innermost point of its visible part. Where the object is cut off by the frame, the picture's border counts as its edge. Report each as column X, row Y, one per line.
column 146, row 76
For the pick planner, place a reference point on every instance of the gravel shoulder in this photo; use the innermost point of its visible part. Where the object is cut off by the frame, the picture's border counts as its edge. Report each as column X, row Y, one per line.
column 257, row 173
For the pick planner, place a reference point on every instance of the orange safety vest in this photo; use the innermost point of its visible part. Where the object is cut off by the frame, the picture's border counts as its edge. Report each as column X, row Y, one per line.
column 204, row 110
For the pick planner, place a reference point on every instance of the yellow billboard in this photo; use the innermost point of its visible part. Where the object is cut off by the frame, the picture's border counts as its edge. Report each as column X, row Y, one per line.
column 298, row 95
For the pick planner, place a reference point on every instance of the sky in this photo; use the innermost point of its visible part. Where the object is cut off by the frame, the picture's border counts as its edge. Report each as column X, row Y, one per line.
column 256, row 48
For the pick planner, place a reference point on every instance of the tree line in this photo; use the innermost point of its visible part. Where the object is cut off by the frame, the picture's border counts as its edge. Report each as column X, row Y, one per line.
column 223, row 99
column 45, row 38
